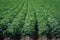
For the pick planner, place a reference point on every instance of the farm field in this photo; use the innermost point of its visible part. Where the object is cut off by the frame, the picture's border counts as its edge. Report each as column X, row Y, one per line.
column 29, row 19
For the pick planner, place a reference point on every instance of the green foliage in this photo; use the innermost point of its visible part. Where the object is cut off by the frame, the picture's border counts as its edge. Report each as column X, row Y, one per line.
column 47, row 16
column 7, row 20
column 7, row 6
column 16, row 26
column 42, row 22
column 29, row 26
column 20, row 16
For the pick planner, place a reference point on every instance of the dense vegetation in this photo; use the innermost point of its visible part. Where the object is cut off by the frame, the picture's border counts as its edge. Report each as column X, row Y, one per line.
column 29, row 18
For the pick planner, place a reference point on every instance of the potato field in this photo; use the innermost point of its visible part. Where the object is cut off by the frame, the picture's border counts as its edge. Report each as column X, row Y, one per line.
column 29, row 19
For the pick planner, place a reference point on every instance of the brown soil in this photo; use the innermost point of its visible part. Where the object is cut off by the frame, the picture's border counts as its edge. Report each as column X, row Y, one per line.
column 40, row 38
